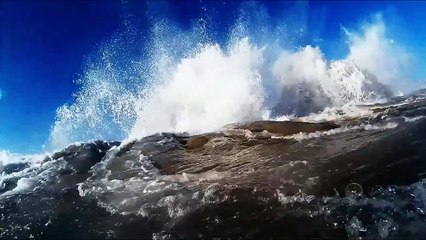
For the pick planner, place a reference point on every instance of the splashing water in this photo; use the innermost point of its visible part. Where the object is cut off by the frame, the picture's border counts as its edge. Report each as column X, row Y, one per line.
column 186, row 82
column 206, row 92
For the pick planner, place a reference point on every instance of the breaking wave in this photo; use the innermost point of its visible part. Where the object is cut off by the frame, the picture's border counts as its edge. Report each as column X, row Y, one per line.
column 185, row 81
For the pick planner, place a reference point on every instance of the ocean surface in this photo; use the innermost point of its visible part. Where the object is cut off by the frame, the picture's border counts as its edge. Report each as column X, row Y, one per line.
column 247, row 137
column 351, row 177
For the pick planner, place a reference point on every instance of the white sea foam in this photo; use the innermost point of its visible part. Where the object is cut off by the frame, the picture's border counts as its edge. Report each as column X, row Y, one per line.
column 413, row 119
column 33, row 169
column 7, row 157
column 346, row 111
column 23, row 184
column 148, row 190
column 302, row 136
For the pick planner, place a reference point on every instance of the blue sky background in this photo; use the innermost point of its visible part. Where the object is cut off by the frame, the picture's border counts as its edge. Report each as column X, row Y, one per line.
column 44, row 45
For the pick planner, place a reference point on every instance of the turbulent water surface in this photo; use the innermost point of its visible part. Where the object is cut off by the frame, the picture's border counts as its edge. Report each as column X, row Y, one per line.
column 244, row 134
column 350, row 177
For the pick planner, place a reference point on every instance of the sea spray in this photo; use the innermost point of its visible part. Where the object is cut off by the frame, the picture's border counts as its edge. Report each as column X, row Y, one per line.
column 187, row 82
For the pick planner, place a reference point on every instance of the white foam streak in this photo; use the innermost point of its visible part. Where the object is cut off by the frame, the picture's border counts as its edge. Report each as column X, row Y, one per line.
column 302, row 136
column 413, row 119
column 344, row 112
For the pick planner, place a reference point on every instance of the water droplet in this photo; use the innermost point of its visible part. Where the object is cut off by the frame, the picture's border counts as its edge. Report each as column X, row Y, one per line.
column 353, row 190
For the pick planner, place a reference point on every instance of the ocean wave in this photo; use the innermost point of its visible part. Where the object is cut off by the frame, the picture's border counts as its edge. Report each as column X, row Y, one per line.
column 192, row 84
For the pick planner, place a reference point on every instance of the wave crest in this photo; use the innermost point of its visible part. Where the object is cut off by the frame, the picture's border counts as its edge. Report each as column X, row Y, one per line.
column 186, row 82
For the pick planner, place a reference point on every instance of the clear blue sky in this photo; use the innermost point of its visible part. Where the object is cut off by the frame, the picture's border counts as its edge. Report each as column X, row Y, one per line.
column 44, row 45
